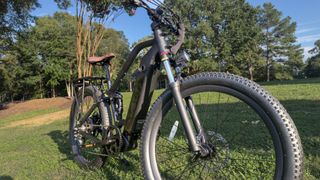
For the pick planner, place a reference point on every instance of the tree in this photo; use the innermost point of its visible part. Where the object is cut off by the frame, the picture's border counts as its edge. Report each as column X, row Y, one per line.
column 91, row 15
column 8, row 70
column 243, row 36
column 44, row 58
column 114, row 42
column 55, row 44
column 42, row 55
column 279, row 41
column 316, row 50
column 222, row 33
column 313, row 63
column 295, row 60
column 29, row 67
column 14, row 18
column 56, row 41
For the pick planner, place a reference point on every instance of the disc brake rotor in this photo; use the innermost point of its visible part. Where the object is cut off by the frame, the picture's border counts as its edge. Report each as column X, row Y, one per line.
column 221, row 151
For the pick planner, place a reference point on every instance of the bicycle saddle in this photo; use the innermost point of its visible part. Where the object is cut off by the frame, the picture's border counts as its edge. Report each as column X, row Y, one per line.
column 102, row 59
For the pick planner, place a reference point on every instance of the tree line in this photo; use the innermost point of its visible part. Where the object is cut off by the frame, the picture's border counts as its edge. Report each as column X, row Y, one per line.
column 40, row 62
column 255, row 42
column 40, row 57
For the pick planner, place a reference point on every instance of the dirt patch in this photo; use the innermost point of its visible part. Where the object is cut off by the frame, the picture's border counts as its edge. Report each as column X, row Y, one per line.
column 35, row 104
column 40, row 120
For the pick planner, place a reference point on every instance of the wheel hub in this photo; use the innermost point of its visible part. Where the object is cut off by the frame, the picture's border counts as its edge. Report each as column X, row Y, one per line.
column 215, row 149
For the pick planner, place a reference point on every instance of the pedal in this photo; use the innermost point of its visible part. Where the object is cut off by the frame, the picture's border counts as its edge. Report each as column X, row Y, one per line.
column 88, row 145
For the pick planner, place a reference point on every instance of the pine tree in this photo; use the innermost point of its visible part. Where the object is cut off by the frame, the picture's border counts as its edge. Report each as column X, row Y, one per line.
column 313, row 63
column 279, row 41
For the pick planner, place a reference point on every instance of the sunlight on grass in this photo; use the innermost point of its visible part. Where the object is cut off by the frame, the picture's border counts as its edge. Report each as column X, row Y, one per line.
column 27, row 115
column 44, row 151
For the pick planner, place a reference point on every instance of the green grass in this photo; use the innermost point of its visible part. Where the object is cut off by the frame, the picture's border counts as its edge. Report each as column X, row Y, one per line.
column 43, row 152
column 295, row 81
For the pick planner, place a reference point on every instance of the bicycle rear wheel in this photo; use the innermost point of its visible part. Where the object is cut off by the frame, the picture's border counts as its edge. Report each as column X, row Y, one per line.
column 249, row 133
column 84, row 136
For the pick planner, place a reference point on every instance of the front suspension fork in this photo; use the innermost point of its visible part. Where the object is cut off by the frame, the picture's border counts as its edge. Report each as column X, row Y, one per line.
column 175, row 88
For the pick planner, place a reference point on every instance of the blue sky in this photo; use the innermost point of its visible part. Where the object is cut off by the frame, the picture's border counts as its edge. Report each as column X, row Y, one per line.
column 305, row 12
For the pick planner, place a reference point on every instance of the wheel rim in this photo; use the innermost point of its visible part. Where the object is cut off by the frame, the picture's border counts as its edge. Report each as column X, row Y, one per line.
column 86, row 150
column 246, row 147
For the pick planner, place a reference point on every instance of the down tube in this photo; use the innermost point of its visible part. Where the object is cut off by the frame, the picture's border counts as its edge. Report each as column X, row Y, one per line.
column 145, row 84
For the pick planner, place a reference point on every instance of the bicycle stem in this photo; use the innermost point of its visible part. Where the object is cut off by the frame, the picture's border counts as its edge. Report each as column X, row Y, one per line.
column 175, row 88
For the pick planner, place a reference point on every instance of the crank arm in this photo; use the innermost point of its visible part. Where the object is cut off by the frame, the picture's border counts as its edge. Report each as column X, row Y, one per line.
column 95, row 140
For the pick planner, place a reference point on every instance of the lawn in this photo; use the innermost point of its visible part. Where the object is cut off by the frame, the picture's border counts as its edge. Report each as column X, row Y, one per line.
column 43, row 152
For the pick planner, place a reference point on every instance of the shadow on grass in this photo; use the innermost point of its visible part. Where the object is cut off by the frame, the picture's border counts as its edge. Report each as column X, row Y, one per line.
column 4, row 177
column 305, row 114
column 62, row 140
column 123, row 168
column 227, row 119
column 114, row 168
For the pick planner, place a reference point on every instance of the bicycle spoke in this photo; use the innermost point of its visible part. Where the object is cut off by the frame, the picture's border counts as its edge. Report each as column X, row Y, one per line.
column 227, row 122
column 171, row 158
column 171, row 142
column 200, row 173
column 249, row 159
column 170, row 151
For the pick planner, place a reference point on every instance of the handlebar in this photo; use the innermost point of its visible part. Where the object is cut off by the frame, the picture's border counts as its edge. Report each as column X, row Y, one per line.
column 163, row 16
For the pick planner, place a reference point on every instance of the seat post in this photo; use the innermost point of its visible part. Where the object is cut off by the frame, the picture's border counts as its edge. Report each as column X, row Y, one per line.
column 106, row 70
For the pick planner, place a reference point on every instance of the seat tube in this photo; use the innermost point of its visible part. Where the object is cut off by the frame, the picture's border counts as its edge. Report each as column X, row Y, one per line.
column 175, row 88
column 106, row 69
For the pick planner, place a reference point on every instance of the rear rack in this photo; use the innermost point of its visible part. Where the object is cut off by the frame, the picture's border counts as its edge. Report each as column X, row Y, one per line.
column 90, row 80
column 80, row 83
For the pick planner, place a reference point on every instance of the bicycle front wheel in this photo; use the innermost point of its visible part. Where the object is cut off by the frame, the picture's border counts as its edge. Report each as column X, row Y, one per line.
column 248, row 132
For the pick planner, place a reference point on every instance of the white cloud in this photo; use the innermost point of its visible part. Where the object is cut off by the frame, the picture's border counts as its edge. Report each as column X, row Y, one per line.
column 306, row 53
column 306, row 30
column 309, row 23
column 42, row 14
column 153, row 5
column 308, row 38
column 71, row 12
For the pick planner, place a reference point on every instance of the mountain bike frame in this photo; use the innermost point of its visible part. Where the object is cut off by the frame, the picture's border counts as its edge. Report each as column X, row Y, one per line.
column 145, row 84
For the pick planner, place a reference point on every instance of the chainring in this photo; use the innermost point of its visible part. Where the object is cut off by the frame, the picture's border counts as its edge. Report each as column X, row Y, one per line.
column 114, row 140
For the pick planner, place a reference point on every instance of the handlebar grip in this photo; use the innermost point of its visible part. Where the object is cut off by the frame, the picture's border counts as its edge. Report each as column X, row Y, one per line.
column 174, row 49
